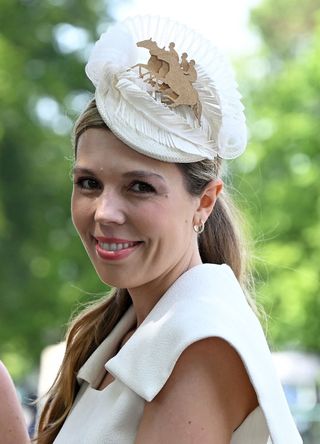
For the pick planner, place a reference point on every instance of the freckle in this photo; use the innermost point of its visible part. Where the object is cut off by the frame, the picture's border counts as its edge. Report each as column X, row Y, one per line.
column 189, row 422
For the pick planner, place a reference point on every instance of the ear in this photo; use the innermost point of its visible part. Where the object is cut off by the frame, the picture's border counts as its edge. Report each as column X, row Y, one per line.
column 208, row 199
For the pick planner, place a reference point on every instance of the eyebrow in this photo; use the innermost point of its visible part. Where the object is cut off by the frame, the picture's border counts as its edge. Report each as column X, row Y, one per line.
column 143, row 174
column 80, row 170
column 129, row 174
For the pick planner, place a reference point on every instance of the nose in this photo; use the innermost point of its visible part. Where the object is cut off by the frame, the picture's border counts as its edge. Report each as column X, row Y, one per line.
column 109, row 209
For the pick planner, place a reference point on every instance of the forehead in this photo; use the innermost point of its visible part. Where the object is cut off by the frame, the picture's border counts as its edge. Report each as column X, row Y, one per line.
column 99, row 148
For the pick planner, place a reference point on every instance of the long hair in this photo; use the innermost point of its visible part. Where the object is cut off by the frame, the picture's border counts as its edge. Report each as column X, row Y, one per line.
column 221, row 242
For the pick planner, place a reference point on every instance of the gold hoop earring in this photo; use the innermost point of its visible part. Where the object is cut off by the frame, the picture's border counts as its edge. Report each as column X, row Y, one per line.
column 199, row 228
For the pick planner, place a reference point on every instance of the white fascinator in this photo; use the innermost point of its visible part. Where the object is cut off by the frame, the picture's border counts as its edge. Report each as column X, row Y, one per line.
column 166, row 91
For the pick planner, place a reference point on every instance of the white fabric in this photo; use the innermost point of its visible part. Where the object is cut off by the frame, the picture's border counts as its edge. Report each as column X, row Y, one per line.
column 149, row 126
column 205, row 301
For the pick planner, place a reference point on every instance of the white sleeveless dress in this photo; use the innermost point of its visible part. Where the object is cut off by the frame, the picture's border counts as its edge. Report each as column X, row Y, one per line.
column 205, row 301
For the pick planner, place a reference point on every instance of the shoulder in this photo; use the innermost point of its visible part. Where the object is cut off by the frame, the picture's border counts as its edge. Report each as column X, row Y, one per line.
column 206, row 397
column 12, row 424
column 189, row 312
column 6, row 384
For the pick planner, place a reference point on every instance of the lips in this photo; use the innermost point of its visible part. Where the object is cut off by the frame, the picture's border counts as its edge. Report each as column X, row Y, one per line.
column 114, row 248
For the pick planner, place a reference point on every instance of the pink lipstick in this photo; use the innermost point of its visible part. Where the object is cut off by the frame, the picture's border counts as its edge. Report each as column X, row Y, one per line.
column 115, row 248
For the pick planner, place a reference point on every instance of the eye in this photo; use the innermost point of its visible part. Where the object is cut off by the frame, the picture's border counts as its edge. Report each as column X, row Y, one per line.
column 142, row 187
column 87, row 183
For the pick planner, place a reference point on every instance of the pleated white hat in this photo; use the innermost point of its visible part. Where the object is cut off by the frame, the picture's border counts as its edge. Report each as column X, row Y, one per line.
column 151, row 127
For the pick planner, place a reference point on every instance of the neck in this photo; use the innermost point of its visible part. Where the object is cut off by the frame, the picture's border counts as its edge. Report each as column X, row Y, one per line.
column 144, row 298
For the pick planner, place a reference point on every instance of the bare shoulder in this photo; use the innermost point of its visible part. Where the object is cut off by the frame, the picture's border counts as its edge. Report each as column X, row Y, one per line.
column 207, row 396
column 6, row 384
column 12, row 424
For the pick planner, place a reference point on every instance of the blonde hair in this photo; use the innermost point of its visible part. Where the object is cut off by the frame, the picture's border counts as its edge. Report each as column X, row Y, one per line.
column 221, row 242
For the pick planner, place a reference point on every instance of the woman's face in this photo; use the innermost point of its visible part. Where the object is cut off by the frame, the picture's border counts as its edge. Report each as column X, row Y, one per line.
column 132, row 212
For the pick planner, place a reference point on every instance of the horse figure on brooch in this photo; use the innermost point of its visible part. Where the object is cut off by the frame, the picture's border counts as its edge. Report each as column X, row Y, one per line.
column 170, row 76
column 154, row 66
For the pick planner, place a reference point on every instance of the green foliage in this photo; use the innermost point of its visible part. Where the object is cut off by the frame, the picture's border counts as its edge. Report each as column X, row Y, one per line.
column 42, row 88
column 283, row 169
column 285, row 26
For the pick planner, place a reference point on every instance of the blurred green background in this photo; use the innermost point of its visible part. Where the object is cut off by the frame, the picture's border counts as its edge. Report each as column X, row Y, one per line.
column 44, row 272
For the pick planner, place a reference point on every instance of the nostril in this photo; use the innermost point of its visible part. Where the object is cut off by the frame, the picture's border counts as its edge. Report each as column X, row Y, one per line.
column 109, row 213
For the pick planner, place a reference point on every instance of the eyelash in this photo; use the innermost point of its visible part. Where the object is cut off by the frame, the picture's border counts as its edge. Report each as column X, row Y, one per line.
column 146, row 187
column 81, row 181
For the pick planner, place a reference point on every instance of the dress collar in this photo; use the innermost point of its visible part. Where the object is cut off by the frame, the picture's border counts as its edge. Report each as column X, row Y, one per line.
column 92, row 370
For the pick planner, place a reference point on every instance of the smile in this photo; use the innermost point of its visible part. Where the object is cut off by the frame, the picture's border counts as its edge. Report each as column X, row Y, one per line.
column 116, row 246
column 115, row 249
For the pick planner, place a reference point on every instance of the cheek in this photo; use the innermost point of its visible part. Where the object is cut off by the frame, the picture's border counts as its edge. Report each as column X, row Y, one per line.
column 74, row 209
column 167, row 221
column 79, row 213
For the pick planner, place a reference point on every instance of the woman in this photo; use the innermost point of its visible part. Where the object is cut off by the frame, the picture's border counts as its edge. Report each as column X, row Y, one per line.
column 13, row 429
column 176, row 354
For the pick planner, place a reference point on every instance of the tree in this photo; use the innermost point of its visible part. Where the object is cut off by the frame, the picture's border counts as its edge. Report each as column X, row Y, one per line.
column 43, row 46
column 283, row 169
column 286, row 26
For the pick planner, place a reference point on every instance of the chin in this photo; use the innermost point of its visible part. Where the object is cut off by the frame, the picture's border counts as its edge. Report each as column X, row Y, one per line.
column 115, row 279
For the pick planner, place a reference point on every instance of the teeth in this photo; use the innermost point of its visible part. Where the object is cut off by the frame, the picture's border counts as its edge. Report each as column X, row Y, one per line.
column 115, row 247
